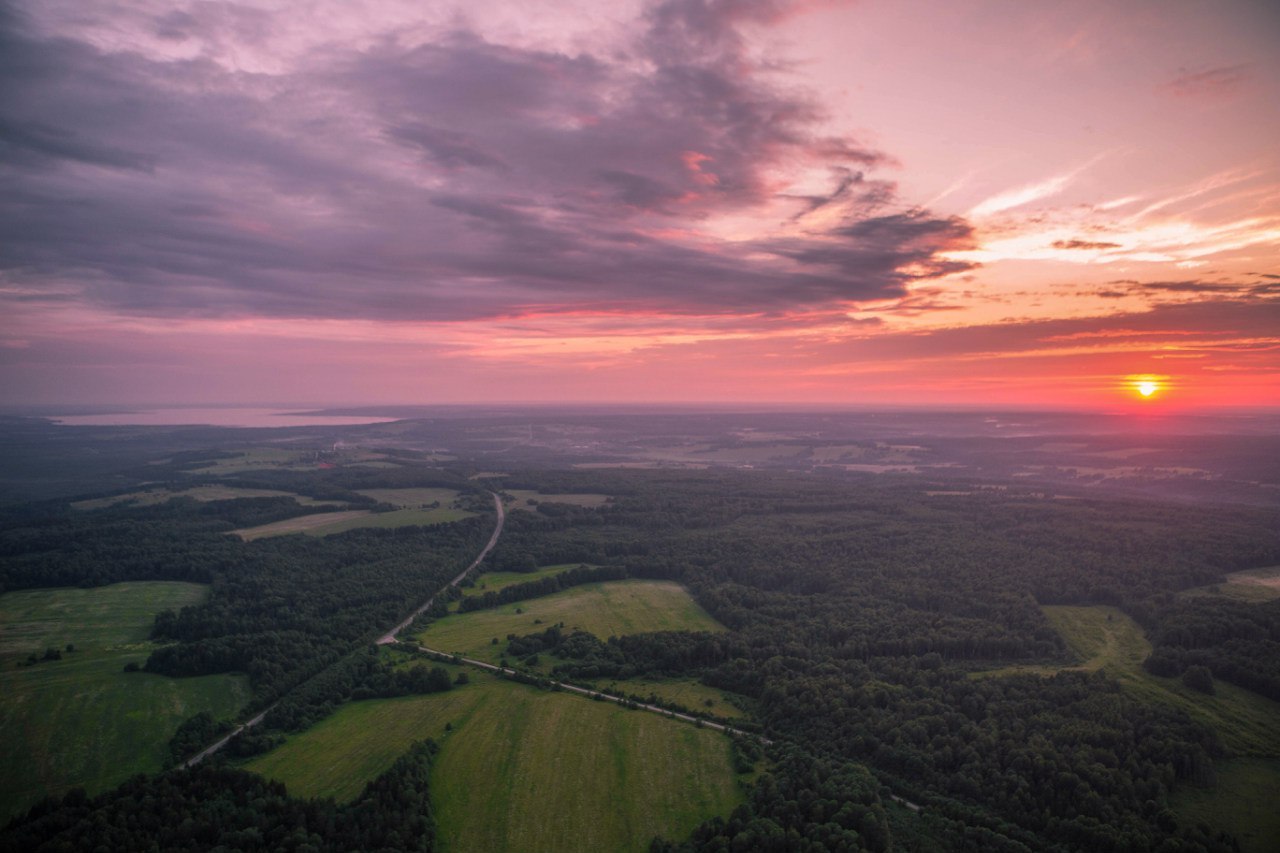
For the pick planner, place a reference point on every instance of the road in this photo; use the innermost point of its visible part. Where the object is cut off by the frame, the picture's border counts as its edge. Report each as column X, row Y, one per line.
column 596, row 694
column 389, row 637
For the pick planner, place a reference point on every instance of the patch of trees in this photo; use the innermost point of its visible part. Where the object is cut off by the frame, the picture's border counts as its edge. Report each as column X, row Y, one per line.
column 576, row 576
column 213, row 807
column 850, row 604
column 1231, row 640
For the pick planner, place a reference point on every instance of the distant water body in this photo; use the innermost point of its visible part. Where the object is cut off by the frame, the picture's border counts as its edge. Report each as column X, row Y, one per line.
column 216, row 417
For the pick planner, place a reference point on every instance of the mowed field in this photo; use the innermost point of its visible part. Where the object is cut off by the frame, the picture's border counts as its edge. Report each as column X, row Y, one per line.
column 523, row 496
column 604, row 609
column 524, row 769
column 148, row 497
column 1248, row 724
column 82, row 720
column 328, row 523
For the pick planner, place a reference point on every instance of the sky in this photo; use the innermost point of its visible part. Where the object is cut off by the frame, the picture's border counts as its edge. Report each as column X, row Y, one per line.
column 886, row 202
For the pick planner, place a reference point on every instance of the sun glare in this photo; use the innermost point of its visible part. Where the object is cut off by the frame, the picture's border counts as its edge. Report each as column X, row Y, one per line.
column 1146, row 386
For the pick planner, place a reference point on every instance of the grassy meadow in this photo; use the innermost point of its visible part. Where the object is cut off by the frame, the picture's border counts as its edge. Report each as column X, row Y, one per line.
column 328, row 523
column 1248, row 724
column 523, row 496
column 149, row 497
column 82, row 720
column 604, row 609
column 523, row 769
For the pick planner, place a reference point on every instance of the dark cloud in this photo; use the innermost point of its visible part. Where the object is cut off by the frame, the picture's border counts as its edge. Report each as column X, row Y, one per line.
column 453, row 179
column 1083, row 244
column 1219, row 82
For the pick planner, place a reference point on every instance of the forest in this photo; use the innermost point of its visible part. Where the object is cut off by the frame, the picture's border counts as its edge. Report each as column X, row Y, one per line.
column 863, row 614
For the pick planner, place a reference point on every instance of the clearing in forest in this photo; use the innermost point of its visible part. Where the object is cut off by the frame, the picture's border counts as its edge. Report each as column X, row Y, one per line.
column 495, row 581
column 604, row 609
column 1248, row 724
column 524, row 496
column 328, row 523
column 82, row 720
column 1252, row 585
column 418, row 498
column 204, row 494
column 524, row 769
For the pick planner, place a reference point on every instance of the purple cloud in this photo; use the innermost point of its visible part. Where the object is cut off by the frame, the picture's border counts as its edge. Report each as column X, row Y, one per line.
column 448, row 180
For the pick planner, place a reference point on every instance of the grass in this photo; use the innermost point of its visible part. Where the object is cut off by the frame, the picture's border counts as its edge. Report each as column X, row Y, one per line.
column 523, row 496
column 494, row 581
column 82, row 721
column 301, row 524
column 603, row 609
column 328, row 523
column 412, row 498
column 1242, row 803
column 688, row 692
column 148, row 497
column 1251, row 585
column 524, row 769
column 1243, row 800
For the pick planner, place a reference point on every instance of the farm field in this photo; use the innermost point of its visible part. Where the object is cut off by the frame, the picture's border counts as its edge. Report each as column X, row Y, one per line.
column 412, row 498
column 524, row 769
column 523, row 496
column 82, row 720
column 327, row 523
column 148, row 497
column 603, row 609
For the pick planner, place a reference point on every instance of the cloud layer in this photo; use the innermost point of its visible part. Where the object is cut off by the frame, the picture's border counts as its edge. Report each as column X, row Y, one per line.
column 453, row 178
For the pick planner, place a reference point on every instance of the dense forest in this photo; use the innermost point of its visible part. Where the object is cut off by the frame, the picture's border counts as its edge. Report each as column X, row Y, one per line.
column 219, row 808
column 858, row 609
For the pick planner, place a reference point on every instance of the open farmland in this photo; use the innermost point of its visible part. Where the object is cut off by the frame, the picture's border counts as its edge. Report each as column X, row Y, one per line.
column 523, row 769
column 603, row 609
column 82, row 720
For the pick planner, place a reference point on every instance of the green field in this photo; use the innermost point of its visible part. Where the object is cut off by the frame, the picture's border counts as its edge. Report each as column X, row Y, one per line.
column 688, row 692
column 494, row 581
column 147, row 497
column 328, row 523
column 82, row 720
column 1248, row 724
column 412, row 498
column 603, row 609
column 1243, row 802
column 523, row 496
column 523, row 769
column 1252, row 585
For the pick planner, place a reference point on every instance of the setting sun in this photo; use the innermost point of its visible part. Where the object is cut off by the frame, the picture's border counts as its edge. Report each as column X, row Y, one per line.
column 1146, row 389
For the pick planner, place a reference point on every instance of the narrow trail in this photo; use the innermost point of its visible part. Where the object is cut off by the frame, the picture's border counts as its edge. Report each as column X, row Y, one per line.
column 389, row 637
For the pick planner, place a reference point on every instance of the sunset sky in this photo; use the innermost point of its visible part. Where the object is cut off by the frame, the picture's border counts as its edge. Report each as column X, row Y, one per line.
column 871, row 203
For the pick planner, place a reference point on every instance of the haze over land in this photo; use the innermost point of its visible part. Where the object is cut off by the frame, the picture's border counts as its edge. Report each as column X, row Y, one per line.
column 987, row 204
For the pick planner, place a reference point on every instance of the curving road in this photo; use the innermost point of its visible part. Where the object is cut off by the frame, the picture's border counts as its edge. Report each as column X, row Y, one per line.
column 389, row 637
